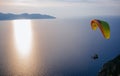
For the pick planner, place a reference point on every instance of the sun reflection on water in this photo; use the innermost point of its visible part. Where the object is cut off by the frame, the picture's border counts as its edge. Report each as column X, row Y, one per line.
column 23, row 37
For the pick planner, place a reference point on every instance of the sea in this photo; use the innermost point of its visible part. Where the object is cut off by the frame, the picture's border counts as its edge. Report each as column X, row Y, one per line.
column 56, row 47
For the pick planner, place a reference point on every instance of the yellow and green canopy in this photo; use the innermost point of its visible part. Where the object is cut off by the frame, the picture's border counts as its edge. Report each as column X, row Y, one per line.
column 103, row 26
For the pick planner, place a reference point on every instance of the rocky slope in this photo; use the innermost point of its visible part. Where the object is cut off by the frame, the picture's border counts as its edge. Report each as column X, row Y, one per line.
column 111, row 68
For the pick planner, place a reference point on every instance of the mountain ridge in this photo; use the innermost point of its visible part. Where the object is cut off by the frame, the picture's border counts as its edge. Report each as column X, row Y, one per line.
column 12, row 16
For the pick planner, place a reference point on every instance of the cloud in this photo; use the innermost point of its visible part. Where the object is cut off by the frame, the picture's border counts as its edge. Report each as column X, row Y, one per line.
column 63, row 8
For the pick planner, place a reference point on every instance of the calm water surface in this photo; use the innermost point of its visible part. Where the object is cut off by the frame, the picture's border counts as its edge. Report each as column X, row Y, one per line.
column 55, row 47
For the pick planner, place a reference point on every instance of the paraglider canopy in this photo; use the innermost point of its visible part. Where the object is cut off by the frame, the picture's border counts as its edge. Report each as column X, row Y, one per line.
column 103, row 26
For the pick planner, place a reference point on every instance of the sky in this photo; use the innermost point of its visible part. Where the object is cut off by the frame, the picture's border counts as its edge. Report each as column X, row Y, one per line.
column 63, row 8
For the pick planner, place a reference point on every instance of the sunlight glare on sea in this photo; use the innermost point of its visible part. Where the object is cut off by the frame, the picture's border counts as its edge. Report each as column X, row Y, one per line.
column 23, row 36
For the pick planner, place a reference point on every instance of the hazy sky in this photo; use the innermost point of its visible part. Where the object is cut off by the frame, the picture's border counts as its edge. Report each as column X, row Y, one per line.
column 62, row 8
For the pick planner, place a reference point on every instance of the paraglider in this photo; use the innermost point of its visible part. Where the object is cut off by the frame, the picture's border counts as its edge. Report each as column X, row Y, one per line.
column 103, row 26
column 95, row 57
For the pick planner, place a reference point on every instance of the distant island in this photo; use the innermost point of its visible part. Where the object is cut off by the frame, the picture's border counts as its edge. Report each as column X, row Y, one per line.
column 11, row 16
